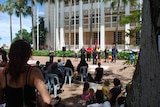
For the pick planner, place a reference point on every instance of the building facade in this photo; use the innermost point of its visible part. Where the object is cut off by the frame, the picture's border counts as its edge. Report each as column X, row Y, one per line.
column 87, row 17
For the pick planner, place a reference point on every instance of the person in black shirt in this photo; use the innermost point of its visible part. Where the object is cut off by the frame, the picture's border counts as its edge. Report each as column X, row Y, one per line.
column 98, row 73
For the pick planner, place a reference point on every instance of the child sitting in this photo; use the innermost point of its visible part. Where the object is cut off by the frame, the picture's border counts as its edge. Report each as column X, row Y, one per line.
column 105, row 89
column 86, row 94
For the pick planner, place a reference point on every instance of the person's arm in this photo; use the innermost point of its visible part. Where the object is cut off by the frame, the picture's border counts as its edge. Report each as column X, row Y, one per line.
column 109, row 96
column 2, row 98
column 38, row 82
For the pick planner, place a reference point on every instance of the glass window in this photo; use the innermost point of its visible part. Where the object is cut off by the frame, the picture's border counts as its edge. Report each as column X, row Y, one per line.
column 119, row 38
column 114, row 18
column 138, row 38
column 77, row 38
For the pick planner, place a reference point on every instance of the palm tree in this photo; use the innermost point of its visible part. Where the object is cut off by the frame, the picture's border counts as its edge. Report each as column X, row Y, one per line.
column 70, row 18
column 22, row 8
column 33, row 4
column 10, row 8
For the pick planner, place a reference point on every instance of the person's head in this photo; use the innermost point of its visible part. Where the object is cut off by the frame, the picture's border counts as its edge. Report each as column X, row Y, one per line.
column 19, row 53
column 106, row 82
column 68, row 62
column 116, row 82
column 37, row 63
column 86, row 86
column 99, row 96
column 91, row 90
column 59, row 60
column 54, row 65
column 99, row 64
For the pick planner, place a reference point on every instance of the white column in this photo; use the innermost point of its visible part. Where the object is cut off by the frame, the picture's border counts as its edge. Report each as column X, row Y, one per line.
column 102, row 26
column 80, row 24
column 62, row 42
column 57, row 26
column 127, row 27
column 54, row 25
column 52, row 18
column 74, row 24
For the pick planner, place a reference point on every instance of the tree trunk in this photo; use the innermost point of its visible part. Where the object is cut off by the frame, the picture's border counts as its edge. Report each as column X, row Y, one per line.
column 11, row 28
column 70, row 18
column 20, row 26
column 117, row 24
column 145, row 88
column 33, row 35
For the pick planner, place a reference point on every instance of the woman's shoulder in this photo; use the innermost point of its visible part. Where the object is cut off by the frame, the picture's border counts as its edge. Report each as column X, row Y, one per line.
column 35, row 71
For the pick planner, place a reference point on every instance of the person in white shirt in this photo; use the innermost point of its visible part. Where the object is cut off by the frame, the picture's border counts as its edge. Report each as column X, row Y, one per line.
column 76, row 53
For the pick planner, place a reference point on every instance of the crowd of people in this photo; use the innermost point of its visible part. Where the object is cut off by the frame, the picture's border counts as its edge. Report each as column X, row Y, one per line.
column 95, row 53
column 104, row 97
column 21, row 78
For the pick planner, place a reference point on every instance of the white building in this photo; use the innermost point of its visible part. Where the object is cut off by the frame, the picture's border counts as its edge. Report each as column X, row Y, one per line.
column 104, row 21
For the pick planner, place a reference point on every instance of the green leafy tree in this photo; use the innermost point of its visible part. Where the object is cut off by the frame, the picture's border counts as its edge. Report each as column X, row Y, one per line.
column 26, row 35
column 22, row 8
column 42, row 32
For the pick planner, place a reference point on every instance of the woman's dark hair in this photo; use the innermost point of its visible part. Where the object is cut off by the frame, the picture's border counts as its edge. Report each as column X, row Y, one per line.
column 19, row 53
column 68, row 62
column 99, row 96
column 54, row 65
column 116, row 81
column 86, row 86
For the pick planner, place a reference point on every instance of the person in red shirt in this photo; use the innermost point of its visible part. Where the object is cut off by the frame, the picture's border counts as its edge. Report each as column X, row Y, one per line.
column 89, row 52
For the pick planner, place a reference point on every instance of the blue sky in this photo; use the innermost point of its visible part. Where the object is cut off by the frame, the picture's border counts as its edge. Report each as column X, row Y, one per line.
column 5, row 25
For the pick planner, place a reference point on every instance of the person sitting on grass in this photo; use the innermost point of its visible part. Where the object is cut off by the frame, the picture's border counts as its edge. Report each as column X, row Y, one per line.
column 98, row 73
column 86, row 94
column 100, row 100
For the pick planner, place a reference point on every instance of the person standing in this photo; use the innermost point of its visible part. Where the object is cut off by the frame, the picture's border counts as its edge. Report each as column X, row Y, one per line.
column 76, row 53
column 98, row 50
column 89, row 51
column 19, row 79
column 94, row 55
column 106, row 52
column 83, row 52
column 51, row 54
column 114, row 54
column 4, row 55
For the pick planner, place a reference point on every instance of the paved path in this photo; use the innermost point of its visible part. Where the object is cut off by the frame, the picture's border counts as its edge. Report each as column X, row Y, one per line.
column 71, row 95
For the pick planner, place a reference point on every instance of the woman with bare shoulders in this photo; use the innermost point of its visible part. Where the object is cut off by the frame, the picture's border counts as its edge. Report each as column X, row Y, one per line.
column 19, row 80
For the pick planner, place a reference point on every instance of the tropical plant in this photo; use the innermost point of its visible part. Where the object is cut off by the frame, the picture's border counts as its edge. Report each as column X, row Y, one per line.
column 10, row 8
column 42, row 32
column 22, row 8
column 26, row 35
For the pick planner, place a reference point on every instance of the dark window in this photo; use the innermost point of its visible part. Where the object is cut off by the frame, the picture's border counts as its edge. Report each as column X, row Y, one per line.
column 77, row 20
column 114, row 18
column 118, row 38
column 138, row 38
column 77, row 38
